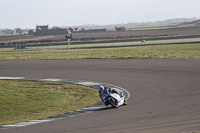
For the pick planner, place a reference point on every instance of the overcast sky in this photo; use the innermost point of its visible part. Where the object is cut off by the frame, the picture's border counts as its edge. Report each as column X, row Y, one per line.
column 29, row 13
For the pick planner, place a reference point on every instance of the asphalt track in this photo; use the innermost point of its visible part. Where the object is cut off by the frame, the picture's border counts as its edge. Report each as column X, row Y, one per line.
column 165, row 94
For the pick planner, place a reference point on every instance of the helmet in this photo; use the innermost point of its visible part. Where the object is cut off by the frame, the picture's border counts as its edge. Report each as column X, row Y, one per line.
column 100, row 89
column 114, row 91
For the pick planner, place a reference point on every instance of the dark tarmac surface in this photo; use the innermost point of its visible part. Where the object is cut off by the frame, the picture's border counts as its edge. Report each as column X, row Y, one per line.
column 165, row 94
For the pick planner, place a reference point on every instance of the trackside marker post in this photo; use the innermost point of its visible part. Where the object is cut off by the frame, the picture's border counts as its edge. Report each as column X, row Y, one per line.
column 68, row 36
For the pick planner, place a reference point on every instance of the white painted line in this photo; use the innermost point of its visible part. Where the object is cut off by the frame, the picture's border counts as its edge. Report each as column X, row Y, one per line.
column 12, row 78
column 88, row 83
column 52, row 80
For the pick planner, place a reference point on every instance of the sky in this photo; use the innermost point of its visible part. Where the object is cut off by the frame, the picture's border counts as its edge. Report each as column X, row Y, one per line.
column 29, row 13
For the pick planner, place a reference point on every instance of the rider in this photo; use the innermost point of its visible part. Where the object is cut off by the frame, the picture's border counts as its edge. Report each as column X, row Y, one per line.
column 103, row 92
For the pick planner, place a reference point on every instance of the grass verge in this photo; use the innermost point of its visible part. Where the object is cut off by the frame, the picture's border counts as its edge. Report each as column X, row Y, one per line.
column 29, row 100
column 161, row 51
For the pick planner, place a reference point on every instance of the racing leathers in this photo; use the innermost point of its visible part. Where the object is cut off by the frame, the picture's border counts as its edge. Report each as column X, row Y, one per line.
column 103, row 93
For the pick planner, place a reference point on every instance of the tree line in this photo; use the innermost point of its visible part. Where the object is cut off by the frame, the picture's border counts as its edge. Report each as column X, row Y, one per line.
column 11, row 32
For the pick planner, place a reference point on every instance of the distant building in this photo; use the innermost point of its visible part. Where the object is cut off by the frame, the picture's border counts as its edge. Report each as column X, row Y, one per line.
column 31, row 32
column 73, row 29
column 44, row 30
column 120, row 28
column 45, row 27
column 76, row 29
column 91, row 30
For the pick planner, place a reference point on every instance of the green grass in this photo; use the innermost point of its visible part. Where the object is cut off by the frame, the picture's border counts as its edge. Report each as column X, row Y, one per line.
column 154, row 26
column 57, row 47
column 136, row 42
column 161, row 51
column 29, row 100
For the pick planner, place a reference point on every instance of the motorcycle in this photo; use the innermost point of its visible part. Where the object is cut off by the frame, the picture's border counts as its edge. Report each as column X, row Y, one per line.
column 114, row 99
